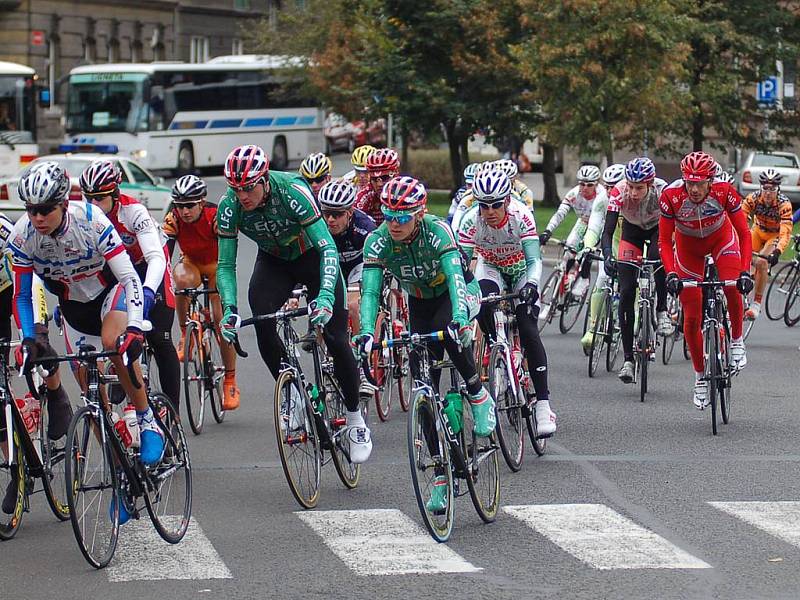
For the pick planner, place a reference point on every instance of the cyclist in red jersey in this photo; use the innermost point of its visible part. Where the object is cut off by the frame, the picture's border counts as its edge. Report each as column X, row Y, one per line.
column 704, row 216
column 382, row 165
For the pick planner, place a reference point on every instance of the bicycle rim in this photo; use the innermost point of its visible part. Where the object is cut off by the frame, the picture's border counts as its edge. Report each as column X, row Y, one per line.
column 644, row 350
column 299, row 449
column 539, row 444
column 215, row 369
column 483, row 469
column 510, row 428
column 10, row 524
column 427, row 465
column 712, row 374
column 54, row 478
column 336, row 418
column 571, row 311
column 599, row 336
column 775, row 299
column 168, row 486
column 791, row 310
column 405, row 381
column 382, row 372
column 193, row 379
column 724, row 386
column 94, row 502
column 547, row 299
column 668, row 343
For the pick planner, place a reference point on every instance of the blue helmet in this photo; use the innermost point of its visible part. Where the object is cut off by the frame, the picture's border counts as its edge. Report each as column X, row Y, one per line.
column 469, row 172
column 640, row 169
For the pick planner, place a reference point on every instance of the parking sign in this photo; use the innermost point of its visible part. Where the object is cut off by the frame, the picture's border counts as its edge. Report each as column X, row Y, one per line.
column 767, row 91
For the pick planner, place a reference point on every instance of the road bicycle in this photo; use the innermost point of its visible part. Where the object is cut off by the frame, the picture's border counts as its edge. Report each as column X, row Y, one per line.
column 747, row 324
column 606, row 331
column 557, row 295
column 783, row 290
column 675, row 313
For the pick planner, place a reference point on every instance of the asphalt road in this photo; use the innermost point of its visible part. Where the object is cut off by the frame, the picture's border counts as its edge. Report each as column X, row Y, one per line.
column 620, row 506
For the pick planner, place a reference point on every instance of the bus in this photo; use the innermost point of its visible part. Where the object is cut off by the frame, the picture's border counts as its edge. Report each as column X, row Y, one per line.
column 17, row 117
column 178, row 116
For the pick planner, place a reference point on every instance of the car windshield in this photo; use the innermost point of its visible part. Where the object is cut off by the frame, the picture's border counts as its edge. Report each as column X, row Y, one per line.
column 775, row 160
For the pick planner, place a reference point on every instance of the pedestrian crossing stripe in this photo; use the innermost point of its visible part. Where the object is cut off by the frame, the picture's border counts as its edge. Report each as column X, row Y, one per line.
column 781, row 519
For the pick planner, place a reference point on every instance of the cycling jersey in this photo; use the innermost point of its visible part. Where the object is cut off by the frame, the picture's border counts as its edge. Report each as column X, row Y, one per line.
column 350, row 243
column 576, row 201
column 198, row 240
column 774, row 220
column 286, row 226
column 369, row 202
column 468, row 199
column 645, row 213
column 5, row 258
column 524, row 192
column 457, row 197
column 79, row 262
column 512, row 247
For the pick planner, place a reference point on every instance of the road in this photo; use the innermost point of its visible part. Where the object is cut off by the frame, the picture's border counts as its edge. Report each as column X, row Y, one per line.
column 632, row 500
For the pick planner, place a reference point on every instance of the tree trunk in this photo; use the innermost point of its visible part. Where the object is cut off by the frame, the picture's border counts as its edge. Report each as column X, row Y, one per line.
column 454, row 146
column 464, row 150
column 549, row 175
column 697, row 127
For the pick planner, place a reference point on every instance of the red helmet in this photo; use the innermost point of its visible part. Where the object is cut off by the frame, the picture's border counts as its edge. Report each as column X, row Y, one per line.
column 100, row 178
column 698, row 166
column 383, row 161
column 246, row 166
column 403, row 194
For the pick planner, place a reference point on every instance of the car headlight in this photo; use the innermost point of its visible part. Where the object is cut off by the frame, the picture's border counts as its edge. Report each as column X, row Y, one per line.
column 139, row 154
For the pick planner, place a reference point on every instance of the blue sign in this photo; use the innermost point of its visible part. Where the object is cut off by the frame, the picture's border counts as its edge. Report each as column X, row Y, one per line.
column 767, row 91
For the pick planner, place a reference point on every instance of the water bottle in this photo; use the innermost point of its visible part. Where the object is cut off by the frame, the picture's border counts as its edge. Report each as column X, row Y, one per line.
column 30, row 411
column 122, row 429
column 132, row 423
column 316, row 400
column 453, row 410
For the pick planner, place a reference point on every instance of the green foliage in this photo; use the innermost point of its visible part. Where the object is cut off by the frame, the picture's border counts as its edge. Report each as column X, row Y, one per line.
column 433, row 167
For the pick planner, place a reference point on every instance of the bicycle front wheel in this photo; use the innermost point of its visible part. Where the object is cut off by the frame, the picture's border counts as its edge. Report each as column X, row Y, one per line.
column 724, row 387
column 712, row 372
column 168, row 489
column 193, row 378
column 644, row 350
column 215, row 375
column 94, row 494
column 12, row 472
column 614, row 336
column 547, row 300
column 600, row 335
column 54, row 478
column 382, row 369
column 791, row 310
column 510, row 428
column 572, row 310
column 429, row 457
column 298, row 442
column 483, row 469
column 778, row 290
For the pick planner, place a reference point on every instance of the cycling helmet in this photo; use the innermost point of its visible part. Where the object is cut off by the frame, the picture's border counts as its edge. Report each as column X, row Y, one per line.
column 507, row 166
column 315, row 166
column 246, row 166
column 359, row 157
column 770, row 177
column 588, row 173
column 613, row 174
column 718, row 170
column 100, row 178
column 44, row 183
column 698, row 166
column 725, row 177
column 382, row 162
column 403, row 194
column 188, row 189
column 491, row 185
column 470, row 171
column 640, row 170
column 337, row 195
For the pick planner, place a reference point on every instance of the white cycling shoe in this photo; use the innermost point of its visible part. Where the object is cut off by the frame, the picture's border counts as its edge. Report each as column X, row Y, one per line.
column 665, row 325
column 580, row 287
column 626, row 372
column 738, row 354
column 360, row 444
column 292, row 412
column 701, row 394
column 545, row 419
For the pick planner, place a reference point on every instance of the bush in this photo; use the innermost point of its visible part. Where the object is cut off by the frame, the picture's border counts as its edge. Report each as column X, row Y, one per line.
column 432, row 167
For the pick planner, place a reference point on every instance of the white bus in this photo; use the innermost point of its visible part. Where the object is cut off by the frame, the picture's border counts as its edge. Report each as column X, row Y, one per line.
column 179, row 116
column 17, row 117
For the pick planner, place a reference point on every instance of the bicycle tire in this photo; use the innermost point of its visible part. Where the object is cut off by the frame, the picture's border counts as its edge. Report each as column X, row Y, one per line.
column 615, row 339
column 644, row 350
column 85, row 476
column 214, row 369
column 571, row 310
column 405, row 379
column 193, row 378
column 305, row 437
column 439, row 526
column 54, row 478
column 382, row 371
column 539, row 444
column 482, row 468
column 510, row 429
column 600, row 336
column 668, row 343
column 10, row 524
column 789, row 316
column 547, row 299
column 712, row 339
column 775, row 298
column 336, row 419
column 724, row 387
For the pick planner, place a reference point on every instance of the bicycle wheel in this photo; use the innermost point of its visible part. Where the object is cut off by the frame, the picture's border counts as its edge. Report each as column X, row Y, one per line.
column 94, row 501
column 215, row 374
column 712, row 372
column 168, row 489
column 615, row 337
column 483, row 469
column 547, row 300
column 572, row 310
column 643, row 353
column 336, row 417
column 10, row 471
column 382, row 370
column 193, row 378
column 778, row 290
column 54, row 478
column 724, row 384
column 429, row 461
column 298, row 446
column 791, row 310
column 600, row 335
column 405, row 379
column 668, row 344
column 510, row 429
column 539, row 443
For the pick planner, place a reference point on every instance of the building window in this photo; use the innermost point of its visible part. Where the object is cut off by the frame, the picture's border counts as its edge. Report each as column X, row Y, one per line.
column 241, row 5
column 237, row 47
column 90, row 42
column 137, row 47
column 198, row 49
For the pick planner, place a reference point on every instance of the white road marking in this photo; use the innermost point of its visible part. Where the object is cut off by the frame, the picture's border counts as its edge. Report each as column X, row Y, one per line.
column 603, row 538
column 383, row 542
column 142, row 555
column 781, row 519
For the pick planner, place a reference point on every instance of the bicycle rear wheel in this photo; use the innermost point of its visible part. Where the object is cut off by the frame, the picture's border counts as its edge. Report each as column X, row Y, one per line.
column 539, row 444
column 778, row 290
column 11, row 471
column 547, row 300
column 724, row 387
column 572, row 310
column 298, row 446
column 510, row 428
column 336, row 417
column 193, row 378
column 712, row 372
column 483, row 469
column 791, row 311
column 168, row 486
column 54, row 478
column 429, row 461
column 215, row 375
column 94, row 495
column 600, row 335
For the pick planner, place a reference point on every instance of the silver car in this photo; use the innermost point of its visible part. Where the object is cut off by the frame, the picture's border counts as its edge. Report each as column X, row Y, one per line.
column 786, row 163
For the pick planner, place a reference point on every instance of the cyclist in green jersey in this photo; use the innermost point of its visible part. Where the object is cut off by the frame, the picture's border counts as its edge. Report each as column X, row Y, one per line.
column 277, row 211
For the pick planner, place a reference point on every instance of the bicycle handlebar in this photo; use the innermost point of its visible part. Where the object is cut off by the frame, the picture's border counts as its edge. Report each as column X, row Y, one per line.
column 495, row 298
column 294, row 313
column 194, row 292
column 691, row 283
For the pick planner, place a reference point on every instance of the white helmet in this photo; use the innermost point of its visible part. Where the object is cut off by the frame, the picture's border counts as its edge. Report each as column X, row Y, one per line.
column 718, row 170
column 44, row 183
column 614, row 174
column 726, row 177
column 469, row 172
column 588, row 173
column 337, row 195
column 491, row 185
column 507, row 166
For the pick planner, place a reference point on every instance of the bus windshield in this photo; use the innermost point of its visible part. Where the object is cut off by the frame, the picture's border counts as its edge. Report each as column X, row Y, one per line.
column 107, row 102
column 16, row 109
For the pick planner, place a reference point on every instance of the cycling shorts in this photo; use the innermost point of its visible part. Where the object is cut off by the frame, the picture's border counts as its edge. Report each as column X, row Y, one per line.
column 83, row 321
column 761, row 238
column 354, row 276
column 208, row 270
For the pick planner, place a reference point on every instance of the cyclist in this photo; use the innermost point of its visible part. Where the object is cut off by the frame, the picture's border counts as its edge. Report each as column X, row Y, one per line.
column 146, row 246
column 469, row 176
column 771, row 212
column 581, row 198
column 503, row 233
column 382, row 165
column 192, row 223
column 594, row 231
column 510, row 168
column 316, row 170
column 705, row 217
column 635, row 200
column 80, row 257
column 468, row 199
column 421, row 252
column 359, row 176
column 277, row 211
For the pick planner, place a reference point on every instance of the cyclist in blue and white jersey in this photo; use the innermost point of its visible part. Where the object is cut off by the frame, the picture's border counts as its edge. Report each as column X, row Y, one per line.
column 469, row 176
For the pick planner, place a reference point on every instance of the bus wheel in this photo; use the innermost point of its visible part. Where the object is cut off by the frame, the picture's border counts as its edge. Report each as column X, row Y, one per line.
column 280, row 156
column 185, row 159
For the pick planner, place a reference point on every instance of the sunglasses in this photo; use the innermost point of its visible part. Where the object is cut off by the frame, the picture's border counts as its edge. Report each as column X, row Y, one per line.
column 321, row 179
column 586, row 184
column 333, row 214
column 381, row 178
column 186, row 205
column 770, row 188
column 399, row 219
column 488, row 205
column 244, row 188
column 43, row 210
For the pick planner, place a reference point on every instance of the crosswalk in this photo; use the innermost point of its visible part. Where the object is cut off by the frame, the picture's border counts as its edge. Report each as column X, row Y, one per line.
column 386, row 542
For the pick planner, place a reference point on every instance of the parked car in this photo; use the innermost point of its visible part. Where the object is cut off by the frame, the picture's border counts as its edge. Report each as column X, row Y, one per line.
column 137, row 181
column 786, row 163
column 343, row 135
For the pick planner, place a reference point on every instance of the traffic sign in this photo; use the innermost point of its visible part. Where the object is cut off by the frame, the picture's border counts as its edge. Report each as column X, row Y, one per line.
column 767, row 91
column 37, row 37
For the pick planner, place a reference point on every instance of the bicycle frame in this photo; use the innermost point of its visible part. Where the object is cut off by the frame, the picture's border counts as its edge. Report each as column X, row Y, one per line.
column 505, row 320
